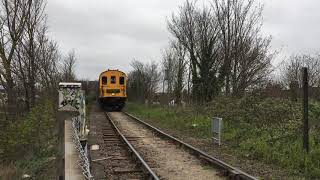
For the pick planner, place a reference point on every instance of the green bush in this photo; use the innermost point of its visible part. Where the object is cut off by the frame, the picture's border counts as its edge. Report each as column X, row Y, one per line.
column 30, row 140
column 35, row 129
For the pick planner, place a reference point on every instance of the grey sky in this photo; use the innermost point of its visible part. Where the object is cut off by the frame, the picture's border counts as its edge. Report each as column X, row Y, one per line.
column 110, row 33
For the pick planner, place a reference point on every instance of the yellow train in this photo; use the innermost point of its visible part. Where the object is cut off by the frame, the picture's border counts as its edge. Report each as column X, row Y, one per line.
column 112, row 89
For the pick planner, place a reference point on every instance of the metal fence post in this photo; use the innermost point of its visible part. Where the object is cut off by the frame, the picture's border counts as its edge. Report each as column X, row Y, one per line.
column 216, row 127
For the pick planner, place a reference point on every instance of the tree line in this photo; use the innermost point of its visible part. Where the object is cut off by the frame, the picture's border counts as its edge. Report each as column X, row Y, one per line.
column 31, row 64
column 218, row 49
column 31, row 67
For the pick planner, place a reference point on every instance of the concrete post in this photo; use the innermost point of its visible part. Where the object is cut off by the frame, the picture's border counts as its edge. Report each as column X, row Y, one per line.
column 69, row 106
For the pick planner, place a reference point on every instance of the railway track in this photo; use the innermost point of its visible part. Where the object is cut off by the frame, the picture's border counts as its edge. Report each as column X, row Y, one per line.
column 168, row 157
column 121, row 160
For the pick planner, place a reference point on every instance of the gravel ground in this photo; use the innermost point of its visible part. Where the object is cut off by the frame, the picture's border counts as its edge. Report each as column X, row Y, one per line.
column 167, row 160
column 112, row 159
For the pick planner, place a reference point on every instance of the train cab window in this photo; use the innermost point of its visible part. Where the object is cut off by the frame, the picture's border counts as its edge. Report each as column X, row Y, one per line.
column 113, row 80
column 104, row 80
column 121, row 80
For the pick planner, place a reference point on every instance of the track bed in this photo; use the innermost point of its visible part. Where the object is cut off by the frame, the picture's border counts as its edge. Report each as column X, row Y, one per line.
column 166, row 159
column 132, row 149
column 114, row 159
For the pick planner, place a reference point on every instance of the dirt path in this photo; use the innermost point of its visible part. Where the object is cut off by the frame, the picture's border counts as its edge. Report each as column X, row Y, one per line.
column 166, row 159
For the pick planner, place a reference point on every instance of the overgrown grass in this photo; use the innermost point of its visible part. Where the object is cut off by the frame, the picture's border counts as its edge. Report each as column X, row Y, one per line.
column 38, row 166
column 268, row 130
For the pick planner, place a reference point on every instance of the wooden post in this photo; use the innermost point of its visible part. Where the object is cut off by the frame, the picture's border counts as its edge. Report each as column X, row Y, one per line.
column 305, row 110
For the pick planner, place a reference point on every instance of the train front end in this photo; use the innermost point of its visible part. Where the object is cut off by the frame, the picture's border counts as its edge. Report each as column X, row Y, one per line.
column 112, row 89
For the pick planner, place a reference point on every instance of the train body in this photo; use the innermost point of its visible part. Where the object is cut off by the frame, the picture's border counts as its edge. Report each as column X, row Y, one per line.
column 112, row 89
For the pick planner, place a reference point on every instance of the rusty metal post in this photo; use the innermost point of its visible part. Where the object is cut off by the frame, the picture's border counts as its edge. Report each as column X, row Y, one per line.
column 305, row 110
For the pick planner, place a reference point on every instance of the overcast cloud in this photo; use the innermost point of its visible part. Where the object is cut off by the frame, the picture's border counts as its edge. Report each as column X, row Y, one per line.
column 108, row 34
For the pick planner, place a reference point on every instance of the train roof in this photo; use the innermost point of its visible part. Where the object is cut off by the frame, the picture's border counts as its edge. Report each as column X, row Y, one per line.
column 112, row 70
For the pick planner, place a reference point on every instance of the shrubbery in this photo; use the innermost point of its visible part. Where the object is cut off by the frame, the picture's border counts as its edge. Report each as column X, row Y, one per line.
column 30, row 140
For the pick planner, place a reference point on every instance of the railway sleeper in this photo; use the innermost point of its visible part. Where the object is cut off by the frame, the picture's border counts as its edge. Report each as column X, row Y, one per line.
column 121, row 170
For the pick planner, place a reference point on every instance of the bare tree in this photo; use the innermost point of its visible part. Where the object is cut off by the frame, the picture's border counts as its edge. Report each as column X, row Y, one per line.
column 34, row 25
column 224, row 45
column 254, row 65
column 14, row 14
column 292, row 70
column 143, row 80
column 226, row 22
column 197, row 31
column 27, row 62
column 136, row 82
column 152, row 80
column 174, row 67
column 49, row 58
column 246, row 56
column 168, row 64
column 180, row 66
column 68, row 73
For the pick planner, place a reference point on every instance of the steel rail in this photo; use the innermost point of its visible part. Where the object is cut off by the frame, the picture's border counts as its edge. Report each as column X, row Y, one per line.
column 233, row 172
column 152, row 175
